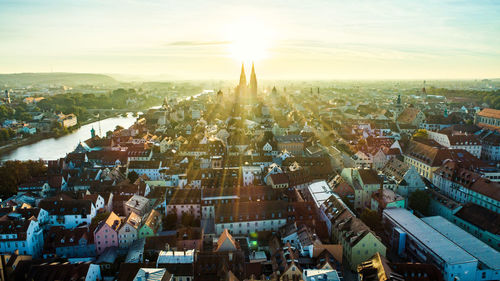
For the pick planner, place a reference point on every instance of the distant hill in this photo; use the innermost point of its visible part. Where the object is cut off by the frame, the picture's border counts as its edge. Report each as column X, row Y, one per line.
column 55, row 79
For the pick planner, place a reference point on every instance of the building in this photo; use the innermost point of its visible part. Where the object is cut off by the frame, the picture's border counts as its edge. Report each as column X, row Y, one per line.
column 488, row 118
column 128, row 231
column 491, row 145
column 464, row 186
column 22, row 235
column 415, row 240
column 278, row 180
column 61, row 271
column 137, row 204
column 428, row 156
column 365, row 182
column 149, row 168
column 378, row 268
column 407, row 178
column 386, row 198
column 358, row 241
column 70, row 243
column 243, row 218
column 411, row 116
column 183, row 201
column 480, row 222
column 151, row 226
column 153, row 274
column 247, row 90
column 67, row 120
column 291, row 143
column 106, row 233
column 68, row 212
column 488, row 258
column 469, row 143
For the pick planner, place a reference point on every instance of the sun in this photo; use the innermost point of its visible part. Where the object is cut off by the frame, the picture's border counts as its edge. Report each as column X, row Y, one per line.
column 250, row 39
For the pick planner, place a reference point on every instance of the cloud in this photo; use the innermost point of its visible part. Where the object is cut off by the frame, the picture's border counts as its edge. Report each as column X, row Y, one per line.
column 198, row 43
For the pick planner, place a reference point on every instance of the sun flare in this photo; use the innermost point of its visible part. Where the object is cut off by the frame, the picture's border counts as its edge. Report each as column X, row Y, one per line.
column 250, row 40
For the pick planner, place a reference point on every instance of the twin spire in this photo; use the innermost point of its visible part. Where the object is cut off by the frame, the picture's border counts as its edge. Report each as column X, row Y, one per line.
column 252, row 86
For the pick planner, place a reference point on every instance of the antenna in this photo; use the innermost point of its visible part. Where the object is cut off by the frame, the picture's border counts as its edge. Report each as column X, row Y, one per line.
column 99, row 120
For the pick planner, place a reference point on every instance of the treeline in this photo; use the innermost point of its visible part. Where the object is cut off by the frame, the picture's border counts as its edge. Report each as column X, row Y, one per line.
column 18, row 112
column 6, row 134
column 492, row 98
column 78, row 103
column 13, row 173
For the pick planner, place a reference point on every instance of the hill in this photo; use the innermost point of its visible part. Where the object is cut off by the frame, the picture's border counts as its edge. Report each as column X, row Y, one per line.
column 55, row 79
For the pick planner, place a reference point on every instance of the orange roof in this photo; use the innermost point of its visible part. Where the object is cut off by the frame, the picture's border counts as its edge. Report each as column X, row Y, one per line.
column 334, row 249
column 490, row 112
column 113, row 221
column 223, row 237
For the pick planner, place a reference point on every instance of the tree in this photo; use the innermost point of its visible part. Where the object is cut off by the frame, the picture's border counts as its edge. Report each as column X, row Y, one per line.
column 421, row 133
column 420, row 201
column 98, row 218
column 187, row 219
column 13, row 173
column 170, row 221
column 371, row 218
column 132, row 176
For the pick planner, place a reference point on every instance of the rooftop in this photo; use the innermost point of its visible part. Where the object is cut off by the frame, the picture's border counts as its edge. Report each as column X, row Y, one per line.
column 484, row 253
column 436, row 242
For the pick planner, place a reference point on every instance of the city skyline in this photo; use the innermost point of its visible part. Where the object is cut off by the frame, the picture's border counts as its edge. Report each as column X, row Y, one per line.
column 286, row 39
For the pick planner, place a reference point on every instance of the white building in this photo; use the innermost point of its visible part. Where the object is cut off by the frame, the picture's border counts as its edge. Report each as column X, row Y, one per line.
column 416, row 240
column 244, row 218
column 469, row 143
column 23, row 235
column 68, row 213
column 176, row 257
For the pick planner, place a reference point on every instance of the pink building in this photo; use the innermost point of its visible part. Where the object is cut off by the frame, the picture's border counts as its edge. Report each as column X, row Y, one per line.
column 106, row 233
column 183, row 201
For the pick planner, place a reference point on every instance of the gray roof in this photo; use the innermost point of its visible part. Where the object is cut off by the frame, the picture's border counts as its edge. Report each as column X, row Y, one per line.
column 477, row 248
column 436, row 242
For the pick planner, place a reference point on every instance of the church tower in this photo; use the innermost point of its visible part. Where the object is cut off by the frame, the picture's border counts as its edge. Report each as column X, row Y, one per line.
column 243, row 81
column 253, row 82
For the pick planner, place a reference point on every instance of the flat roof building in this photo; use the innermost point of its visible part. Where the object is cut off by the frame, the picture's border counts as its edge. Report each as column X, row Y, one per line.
column 416, row 240
column 489, row 258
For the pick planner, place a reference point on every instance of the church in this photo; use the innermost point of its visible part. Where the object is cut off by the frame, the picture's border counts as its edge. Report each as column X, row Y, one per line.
column 247, row 90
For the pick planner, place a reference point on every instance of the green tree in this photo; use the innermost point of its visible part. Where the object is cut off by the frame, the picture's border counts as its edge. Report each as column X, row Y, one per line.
column 170, row 221
column 371, row 218
column 420, row 201
column 187, row 219
column 132, row 176
column 98, row 218
column 13, row 173
column 421, row 133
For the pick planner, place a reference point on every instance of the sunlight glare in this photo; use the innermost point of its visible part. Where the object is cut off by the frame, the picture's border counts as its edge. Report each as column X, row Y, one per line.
column 250, row 40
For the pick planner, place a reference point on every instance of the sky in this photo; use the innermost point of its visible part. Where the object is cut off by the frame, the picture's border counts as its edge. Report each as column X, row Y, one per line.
column 291, row 39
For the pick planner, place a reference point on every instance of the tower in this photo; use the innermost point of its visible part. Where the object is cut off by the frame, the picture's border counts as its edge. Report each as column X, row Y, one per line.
column 220, row 96
column 424, row 92
column 398, row 108
column 253, row 82
column 242, row 86
column 7, row 96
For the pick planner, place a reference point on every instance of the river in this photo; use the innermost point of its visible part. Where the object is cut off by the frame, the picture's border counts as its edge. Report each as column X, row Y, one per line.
column 55, row 148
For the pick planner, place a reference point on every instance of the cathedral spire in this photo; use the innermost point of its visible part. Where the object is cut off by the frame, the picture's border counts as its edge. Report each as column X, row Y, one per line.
column 243, row 78
column 253, row 81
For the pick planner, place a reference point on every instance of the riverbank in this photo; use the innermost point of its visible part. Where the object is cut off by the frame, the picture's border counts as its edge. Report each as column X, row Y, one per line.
column 24, row 141
column 53, row 148
column 17, row 143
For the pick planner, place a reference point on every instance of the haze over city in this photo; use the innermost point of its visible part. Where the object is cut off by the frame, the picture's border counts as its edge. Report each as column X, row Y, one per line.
column 319, row 140
column 286, row 39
